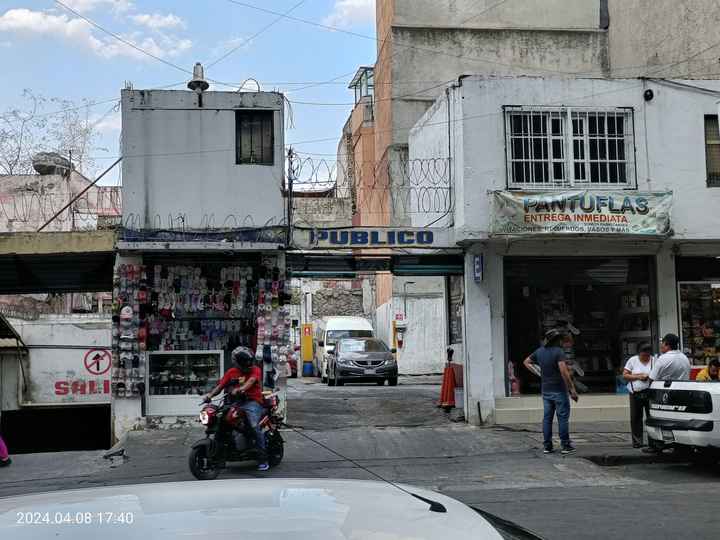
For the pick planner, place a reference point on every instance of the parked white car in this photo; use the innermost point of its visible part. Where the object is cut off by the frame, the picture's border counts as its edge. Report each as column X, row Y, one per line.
column 268, row 508
column 685, row 415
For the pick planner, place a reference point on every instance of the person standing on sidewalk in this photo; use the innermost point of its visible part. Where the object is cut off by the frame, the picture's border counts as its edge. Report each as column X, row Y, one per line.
column 637, row 373
column 556, row 383
column 4, row 456
column 672, row 365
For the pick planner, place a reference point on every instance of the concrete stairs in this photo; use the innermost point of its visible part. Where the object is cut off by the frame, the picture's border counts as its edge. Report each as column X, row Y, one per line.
column 591, row 408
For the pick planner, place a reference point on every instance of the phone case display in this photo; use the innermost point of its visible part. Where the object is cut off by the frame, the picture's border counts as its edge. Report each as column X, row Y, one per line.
column 172, row 374
column 700, row 319
column 273, row 324
column 128, row 341
column 197, row 308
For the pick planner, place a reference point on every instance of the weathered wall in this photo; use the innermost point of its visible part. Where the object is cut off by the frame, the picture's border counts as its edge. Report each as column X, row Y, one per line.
column 55, row 368
column 9, row 380
column 180, row 161
column 566, row 14
column 664, row 38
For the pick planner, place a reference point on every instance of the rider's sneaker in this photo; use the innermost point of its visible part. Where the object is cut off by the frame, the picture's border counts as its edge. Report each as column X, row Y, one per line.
column 263, row 467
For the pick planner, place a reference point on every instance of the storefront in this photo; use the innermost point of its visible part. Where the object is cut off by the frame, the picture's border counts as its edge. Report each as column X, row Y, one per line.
column 698, row 291
column 606, row 305
column 178, row 317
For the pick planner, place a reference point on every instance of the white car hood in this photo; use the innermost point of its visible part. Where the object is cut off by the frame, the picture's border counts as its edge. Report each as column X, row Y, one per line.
column 230, row 509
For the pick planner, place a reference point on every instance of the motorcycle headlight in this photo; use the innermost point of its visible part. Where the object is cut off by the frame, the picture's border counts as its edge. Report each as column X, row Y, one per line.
column 204, row 418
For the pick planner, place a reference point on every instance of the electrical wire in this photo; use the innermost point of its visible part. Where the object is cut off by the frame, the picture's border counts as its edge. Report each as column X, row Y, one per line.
column 256, row 34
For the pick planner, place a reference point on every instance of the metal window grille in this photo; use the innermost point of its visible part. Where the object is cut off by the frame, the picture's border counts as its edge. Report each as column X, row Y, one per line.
column 712, row 150
column 254, row 138
column 565, row 147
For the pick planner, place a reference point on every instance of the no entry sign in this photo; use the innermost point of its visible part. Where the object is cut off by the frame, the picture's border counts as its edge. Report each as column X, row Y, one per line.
column 97, row 361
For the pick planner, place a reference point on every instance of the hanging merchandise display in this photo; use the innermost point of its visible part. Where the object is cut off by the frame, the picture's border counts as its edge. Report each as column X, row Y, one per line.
column 128, row 369
column 182, row 320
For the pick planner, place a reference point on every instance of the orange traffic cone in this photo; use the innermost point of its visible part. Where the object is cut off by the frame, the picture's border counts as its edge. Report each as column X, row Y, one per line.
column 447, row 391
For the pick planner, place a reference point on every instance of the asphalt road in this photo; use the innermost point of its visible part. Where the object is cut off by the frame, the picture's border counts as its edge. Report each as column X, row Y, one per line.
column 400, row 435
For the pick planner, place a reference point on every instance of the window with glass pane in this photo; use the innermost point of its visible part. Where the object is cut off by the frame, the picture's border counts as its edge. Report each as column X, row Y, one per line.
column 712, row 150
column 566, row 147
column 254, row 138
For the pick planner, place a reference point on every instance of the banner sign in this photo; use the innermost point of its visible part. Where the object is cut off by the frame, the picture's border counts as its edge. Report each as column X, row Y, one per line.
column 372, row 237
column 581, row 212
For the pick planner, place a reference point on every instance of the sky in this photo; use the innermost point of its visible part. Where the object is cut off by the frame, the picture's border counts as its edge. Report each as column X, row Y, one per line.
column 55, row 53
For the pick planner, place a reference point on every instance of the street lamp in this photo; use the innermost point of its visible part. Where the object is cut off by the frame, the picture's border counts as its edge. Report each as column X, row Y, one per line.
column 405, row 297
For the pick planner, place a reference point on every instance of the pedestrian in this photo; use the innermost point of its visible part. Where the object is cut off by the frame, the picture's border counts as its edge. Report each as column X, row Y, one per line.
column 637, row 374
column 672, row 365
column 4, row 456
column 710, row 373
column 556, row 383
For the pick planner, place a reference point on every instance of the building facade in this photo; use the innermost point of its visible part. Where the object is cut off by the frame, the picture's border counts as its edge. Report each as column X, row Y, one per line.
column 583, row 204
column 199, row 268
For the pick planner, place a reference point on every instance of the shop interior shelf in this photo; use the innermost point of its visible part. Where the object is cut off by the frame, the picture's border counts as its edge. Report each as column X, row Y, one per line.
column 635, row 334
column 634, row 311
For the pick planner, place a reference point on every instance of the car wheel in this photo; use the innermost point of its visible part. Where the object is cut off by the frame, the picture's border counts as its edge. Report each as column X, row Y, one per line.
column 330, row 380
column 338, row 381
column 392, row 381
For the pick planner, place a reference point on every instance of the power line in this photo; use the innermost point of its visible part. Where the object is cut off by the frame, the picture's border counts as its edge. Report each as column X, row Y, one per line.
column 399, row 44
column 489, row 8
column 121, row 39
column 256, row 34
column 443, row 122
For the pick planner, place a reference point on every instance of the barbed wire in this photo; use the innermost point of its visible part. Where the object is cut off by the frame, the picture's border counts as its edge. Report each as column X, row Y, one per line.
column 36, row 206
column 335, row 190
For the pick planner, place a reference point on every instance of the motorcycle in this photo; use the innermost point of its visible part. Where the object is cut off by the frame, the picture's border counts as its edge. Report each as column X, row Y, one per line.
column 229, row 436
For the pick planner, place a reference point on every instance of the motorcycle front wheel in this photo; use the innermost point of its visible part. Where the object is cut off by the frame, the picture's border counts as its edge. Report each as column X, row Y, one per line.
column 201, row 466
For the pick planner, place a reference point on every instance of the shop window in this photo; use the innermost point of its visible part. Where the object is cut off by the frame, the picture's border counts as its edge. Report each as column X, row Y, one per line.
column 712, row 150
column 605, row 306
column 565, row 147
column 254, row 138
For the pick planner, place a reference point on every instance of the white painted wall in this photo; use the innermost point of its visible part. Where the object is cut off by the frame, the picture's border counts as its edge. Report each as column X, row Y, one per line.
column 669, row 138
column 179, row 160
column 54, row 369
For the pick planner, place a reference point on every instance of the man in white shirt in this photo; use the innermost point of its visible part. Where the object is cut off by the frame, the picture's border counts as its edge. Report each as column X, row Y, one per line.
column 672, row 365
column 637, row 372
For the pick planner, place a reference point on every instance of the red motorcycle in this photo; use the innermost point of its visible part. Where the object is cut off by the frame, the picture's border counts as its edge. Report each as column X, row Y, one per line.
column 229, row 437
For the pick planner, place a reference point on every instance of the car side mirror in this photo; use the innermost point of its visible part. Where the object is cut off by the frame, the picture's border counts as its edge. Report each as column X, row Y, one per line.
column 394, row 351
column 321, row 343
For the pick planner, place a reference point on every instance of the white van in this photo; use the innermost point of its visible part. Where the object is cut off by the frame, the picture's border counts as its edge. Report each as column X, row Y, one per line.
column 330, row 329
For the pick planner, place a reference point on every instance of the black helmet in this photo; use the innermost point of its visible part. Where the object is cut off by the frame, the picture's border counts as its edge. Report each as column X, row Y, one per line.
column 243, row 357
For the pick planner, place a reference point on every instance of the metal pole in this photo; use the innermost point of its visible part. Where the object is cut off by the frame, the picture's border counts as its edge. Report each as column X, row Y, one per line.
column 290, row 179
column 405, row 297
column 118, row 160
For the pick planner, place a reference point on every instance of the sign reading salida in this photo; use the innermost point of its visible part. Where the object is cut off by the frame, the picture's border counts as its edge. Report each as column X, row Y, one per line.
column 581, row 212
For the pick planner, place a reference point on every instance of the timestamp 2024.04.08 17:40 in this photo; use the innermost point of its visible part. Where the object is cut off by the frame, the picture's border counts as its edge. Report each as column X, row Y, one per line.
column 75, row 518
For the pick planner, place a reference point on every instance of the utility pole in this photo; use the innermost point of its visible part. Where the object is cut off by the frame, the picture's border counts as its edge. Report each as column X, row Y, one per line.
column 290, row 184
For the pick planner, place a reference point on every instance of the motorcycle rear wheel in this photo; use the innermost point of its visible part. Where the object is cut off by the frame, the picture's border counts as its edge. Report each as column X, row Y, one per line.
column 201, row 466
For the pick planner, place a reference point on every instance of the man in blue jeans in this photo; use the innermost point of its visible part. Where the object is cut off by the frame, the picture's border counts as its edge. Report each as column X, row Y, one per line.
column 556, row 383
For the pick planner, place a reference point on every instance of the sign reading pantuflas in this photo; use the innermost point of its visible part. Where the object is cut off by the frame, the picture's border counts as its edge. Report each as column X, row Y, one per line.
column 373, row 237
column 581, row 212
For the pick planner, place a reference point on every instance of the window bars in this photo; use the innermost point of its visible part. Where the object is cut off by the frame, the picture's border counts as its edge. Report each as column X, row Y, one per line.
column 563, row 147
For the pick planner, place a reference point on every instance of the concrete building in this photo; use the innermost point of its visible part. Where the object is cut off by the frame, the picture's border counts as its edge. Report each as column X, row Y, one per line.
column 199, row 268
column 616, row 275
column 177, row 141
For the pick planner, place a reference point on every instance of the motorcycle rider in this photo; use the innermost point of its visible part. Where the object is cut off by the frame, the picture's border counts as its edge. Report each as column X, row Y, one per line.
column 249, row 384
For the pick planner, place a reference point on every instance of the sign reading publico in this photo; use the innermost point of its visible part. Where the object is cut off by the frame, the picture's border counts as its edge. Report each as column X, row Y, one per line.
column 372, row 237
column 581, row 212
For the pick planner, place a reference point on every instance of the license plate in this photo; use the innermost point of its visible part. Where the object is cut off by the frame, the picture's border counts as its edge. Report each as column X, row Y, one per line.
column 668, row 436
column 369, row 372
